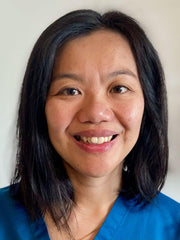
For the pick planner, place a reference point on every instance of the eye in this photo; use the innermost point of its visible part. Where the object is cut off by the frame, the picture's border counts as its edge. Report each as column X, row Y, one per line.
column 69, row 92
column 119, row 89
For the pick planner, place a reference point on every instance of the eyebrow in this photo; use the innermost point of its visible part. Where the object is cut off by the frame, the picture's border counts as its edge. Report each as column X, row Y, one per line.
column 110, row 75
column 122, row 72
column 67, row 75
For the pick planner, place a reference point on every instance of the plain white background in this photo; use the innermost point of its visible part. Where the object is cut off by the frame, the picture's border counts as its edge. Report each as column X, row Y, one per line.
column 21, row 23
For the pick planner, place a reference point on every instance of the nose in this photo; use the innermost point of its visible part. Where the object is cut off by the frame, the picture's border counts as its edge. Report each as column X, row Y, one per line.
column 95, row 111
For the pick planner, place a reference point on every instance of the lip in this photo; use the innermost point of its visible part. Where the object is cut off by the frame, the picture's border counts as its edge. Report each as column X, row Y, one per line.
column 96, row 133
column 95, row 148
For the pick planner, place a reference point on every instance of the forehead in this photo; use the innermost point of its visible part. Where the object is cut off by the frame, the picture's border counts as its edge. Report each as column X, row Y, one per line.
column 100, row 50
column 95, row 37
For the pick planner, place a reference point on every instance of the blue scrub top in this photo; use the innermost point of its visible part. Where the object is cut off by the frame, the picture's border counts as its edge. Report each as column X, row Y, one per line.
column 159, row 220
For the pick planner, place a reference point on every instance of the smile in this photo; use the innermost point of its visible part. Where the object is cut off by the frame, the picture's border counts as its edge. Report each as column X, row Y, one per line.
column 95, row 140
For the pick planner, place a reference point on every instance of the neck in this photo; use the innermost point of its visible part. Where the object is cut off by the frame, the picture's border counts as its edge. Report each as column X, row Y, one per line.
column 94, row 197
column 96, row 192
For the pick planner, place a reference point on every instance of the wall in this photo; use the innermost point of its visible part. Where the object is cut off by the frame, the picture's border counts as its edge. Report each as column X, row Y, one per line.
column 22, row 21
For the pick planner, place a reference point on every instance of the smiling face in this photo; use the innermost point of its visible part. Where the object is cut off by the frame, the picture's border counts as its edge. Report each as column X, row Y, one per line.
column 95, row 104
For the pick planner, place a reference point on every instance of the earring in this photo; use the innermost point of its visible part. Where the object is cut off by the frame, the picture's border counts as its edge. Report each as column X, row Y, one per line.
column 125, row 168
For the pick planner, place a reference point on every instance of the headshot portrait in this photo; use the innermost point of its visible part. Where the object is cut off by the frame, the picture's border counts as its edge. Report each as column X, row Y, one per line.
column 93, row 136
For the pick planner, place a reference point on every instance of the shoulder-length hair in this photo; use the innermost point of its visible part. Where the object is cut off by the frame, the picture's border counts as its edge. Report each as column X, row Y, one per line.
column 43, row 181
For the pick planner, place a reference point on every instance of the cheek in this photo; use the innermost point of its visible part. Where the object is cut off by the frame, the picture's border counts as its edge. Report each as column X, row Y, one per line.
column 58, row 118
column 134, row 116
column 130, row 114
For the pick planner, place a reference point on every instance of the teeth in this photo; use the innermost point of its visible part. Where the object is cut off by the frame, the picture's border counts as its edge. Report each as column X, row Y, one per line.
column 96, row 140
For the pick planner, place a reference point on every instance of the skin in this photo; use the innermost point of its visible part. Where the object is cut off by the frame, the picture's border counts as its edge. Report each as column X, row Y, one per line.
column 95, row 88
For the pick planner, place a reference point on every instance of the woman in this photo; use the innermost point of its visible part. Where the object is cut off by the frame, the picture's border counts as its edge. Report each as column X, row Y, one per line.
column 92, row 130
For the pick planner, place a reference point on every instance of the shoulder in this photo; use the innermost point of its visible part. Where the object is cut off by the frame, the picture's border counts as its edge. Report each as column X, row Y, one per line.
column 164, row 199
column 6, row 202
column 14, row 221
column 8, row 205
column 166, row 206
column 159, row 219
column 162, row 210
column 3, row 191
column 163, row 215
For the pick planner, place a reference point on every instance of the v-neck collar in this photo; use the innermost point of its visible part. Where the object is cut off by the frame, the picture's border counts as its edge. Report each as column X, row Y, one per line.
column 39, row 229
column 114, row 220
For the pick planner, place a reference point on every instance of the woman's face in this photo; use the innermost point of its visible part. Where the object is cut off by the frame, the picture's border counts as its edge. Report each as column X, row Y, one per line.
column 95, row 103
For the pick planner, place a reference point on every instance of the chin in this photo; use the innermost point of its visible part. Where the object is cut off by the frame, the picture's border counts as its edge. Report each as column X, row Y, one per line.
column 100, row 171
